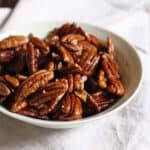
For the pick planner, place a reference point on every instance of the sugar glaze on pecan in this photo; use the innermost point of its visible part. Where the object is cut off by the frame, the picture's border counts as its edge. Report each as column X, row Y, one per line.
column 68, row 75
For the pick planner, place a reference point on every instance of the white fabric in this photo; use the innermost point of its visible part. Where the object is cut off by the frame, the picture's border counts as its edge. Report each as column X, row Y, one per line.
column 127, row 129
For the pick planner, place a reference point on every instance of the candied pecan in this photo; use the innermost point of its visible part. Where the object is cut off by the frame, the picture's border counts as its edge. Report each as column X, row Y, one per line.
column 110, row 67
column 53, row 90
column 13, row 41
column 89, row 60
column 116, row 88
column 71, row 108
column 78, row 82
column 70, row 69
column 54, row 40
column 66, row 55
column 21, row 77
column 44, row 48
column 70, row 28
column 49, row 107
column 32, row 112
column 102, row 80
column 82, row 94
column 70, row 82
column 71, row 41
column 18, row 105
column 32, row 83
column 99, row 100
column 95, row 41
column 12, row 80
column 6, row 56
column 31, row 59
column 110, row 46
column 4, row 90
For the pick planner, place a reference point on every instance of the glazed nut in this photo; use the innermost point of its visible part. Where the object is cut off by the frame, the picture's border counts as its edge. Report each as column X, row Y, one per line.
column 116, row 88
column 31, row 59
column 35, row 81
column 18, row 105
column 82, row 94
column 21, row 77
column 102, row 80
column 44, row 48
column 4, row 90
column 110, row 46
column 78, row 82
column 12, row 80
column 6, row 56
column 67, row 57
column 70, row 82
column 13, row 42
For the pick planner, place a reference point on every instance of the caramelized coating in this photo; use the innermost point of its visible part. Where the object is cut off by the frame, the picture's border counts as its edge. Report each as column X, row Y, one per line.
column 66, row 76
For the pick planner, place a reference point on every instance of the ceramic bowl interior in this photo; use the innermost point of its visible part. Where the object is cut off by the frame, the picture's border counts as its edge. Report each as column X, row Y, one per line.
column 129, row 64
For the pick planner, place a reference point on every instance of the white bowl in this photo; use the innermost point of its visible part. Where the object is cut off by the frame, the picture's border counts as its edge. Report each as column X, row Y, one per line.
column 127, row 57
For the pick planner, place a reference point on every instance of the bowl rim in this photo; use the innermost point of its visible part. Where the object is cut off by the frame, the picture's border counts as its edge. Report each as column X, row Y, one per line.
column 65, row 124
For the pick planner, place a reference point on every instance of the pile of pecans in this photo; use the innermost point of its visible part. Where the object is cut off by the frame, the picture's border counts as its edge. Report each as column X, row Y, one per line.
column 66, row 76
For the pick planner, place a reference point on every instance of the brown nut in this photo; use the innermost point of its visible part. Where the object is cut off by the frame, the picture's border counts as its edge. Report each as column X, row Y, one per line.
column 18, row 105
column 33, row 83
column 12, row 80
column 66, row 56
column 72, row 108
column 13, row 41
column 100, row 101
column 4, row 90
column 116, row 88
column 110, row 47
column 82, row 94
column 37, row 42
column 53, row 90
column 78, row 82
column 6, row 56
column 31, row 59
column 70, row 82
column 71, row 41
column 102, row 80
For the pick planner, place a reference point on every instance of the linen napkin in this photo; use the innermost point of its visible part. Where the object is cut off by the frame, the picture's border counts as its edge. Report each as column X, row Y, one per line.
column 127, row 129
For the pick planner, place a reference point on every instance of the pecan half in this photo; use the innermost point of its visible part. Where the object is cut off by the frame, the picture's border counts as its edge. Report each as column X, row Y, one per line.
column 71, row 108
column 33, row 113
column 99, row 100
column 78, row 82
column 4, row 90
column 82, row 94
column 13, row 41
column 70, row 82
column 32, row 83
column 71, row 42
column 110, row 67
column 67, row 57
column 44, row 48
column 116, row 88
column 102, row 80
column 31, row 59
column 53, row 90
column 6, row 56
column 12, row 80
column 18, row 105
column 110, row 46
column 49, row 107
